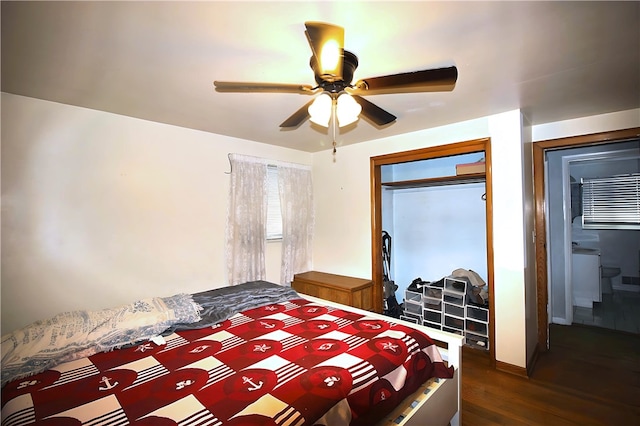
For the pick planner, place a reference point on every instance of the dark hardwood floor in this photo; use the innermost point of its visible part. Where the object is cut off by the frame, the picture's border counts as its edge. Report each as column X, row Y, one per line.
column 590, row 376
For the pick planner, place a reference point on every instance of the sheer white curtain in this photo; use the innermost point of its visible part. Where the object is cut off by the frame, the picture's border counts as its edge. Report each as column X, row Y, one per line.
column 247, row 215
column 296, row 205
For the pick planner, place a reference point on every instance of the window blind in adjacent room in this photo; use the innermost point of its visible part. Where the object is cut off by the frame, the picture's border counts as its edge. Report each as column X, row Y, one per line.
column 611, row 202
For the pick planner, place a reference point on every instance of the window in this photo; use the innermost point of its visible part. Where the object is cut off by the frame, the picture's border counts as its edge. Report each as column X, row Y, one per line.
column 274, row 214
column 611, row 202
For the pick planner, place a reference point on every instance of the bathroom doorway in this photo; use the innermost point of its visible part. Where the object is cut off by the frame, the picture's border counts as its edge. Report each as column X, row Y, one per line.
column 613, row 254
column 552, row 300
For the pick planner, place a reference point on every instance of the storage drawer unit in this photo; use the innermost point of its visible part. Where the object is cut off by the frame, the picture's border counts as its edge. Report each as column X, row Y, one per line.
column 414, row 320
column 412, row 308
column 454, row 310
column 433, row 304
column 413, row 317
column 476, row 327
column 432, row 292
column 458, row 314
column 456, row 299
column 432, row 316
column 477, row 341
column 456, row 284
column 454, row 322
column 478, row 313
column 443, row 305
column 412, row 296
column 452, row 330
column 434, row 325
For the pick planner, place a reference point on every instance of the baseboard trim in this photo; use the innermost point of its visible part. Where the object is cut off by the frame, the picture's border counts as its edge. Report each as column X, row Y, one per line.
column 560, row 320
column 511, row 369
column 531, row 365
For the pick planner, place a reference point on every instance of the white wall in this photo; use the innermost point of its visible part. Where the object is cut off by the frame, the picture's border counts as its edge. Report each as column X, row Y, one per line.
column 437, row 230
column 587, row 125
column 100, row 209
column 342, row 194
column 509, row 243
column 342, row 242
column 434, row 229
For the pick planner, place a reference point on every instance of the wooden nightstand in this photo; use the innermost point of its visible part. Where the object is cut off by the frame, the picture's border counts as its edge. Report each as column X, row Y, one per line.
column 356, row 292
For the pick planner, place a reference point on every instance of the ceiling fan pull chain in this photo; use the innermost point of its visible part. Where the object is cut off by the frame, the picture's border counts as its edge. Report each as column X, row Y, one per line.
column 334, row 111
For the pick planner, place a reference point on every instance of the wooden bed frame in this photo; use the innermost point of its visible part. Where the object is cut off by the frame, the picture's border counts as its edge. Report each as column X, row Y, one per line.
column 437, row 402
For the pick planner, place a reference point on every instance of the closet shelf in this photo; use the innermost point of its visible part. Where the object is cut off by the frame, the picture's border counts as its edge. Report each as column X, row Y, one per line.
column 438, row 181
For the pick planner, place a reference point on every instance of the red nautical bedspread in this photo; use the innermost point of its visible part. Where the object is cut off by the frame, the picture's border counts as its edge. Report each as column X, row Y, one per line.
column 289, row 363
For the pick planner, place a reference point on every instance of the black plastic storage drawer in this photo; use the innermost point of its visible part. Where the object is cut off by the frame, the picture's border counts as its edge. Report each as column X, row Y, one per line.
column 454, row 298
column 412, row 308
column 477, row 341
column 409, row 319
column 477, row 313
column 476, row 326
column 412, row 296
column 454, row 310
column 454, row 322
column 452, row 330
column 432, row 316
column 433, row 292
column 434, row 304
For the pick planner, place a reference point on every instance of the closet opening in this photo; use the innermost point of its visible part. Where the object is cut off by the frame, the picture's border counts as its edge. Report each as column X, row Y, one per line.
column 406, row 191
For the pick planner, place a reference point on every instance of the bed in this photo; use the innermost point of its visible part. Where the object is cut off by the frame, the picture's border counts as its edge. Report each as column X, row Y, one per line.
column 254, row 354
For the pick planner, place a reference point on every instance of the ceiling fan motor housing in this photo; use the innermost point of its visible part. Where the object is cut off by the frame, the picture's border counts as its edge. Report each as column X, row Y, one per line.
column 332, row 83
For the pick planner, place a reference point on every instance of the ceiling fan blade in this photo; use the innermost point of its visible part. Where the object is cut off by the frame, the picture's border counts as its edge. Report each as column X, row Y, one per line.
column 327, row 45
column 374, row 112
column 238, row 86
column 433, row 80
column 298, row 117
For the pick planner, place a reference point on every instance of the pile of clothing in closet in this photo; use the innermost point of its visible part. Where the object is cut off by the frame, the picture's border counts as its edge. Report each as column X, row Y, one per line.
column 477, row 292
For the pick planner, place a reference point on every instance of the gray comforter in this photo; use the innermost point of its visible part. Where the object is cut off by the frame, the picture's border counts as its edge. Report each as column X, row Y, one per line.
column 222, row 303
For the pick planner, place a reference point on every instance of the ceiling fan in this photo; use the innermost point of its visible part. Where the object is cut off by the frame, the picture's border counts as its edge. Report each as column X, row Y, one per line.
column 333, row 68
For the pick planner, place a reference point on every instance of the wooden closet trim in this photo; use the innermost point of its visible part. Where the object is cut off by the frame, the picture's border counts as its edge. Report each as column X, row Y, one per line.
column 471, row 146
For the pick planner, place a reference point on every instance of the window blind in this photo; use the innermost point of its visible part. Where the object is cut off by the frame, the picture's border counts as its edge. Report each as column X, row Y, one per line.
column 611, row 202
column 274, row 214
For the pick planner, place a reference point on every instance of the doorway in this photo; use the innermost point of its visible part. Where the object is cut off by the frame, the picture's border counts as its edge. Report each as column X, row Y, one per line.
column 541, row 226
column 461, row 148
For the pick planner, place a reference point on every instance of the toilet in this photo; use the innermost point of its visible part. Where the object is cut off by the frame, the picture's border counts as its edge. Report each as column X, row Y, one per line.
column 610, row 276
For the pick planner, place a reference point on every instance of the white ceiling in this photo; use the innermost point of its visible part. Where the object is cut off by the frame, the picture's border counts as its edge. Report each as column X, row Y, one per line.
column 158, row 60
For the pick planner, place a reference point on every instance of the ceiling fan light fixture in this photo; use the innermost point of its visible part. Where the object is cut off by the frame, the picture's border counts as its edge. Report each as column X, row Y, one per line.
column 320, row 110
column 330, row 58
column 333, row 70
column 347, row 110
column 326, row 42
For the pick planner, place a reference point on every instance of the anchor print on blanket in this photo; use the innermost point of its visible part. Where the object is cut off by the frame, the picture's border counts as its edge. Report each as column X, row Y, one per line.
column 107, row 384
